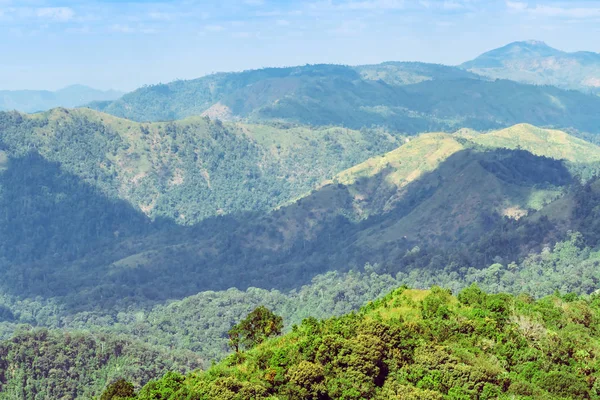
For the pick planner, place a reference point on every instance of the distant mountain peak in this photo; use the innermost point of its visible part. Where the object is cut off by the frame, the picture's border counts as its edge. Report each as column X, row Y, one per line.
column 535, row 62
column 534, row 42
column 527, row 48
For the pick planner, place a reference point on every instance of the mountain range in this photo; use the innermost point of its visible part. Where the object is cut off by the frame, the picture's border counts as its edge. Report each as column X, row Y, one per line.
column 41, row 100
column 136, row 231
column 401, row 97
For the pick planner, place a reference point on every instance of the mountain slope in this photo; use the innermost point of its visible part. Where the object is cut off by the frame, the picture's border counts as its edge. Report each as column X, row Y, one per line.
column 537, row 63
column 419, row 345
column 403, row 97
column 41, row 100
column 446, row 194
column 440, row 209
column 192, row 169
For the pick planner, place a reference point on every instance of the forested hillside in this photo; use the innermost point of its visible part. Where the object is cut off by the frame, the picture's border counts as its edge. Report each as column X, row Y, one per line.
column 192, row 169
column 82, row 252
column 439, row 201
column 46, row 364
column 416, row 344
column 374, row 230
column 402, row 97
column 436, row 190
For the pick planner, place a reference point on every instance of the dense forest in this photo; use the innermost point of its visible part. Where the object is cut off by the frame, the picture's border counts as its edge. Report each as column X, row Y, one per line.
column 414, row 344
column 402, row 97
column 200, row 322
column 42, row 364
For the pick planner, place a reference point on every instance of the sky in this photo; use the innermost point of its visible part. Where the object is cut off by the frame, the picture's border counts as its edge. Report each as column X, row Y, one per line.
column 111, row 44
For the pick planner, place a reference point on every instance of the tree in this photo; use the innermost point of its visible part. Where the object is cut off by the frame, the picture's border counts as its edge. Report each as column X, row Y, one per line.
column 259, row 325
column 121, row 389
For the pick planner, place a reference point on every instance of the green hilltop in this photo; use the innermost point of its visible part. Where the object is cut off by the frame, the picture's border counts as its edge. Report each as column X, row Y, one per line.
column 416, row 344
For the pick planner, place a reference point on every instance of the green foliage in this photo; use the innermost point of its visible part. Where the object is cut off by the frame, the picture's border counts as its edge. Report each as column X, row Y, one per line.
column 120, row 389
column 259, row 325
column 164, row 388
column 394, row 348
column 56, row 365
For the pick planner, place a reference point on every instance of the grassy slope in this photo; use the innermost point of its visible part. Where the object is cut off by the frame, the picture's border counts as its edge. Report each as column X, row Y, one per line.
column 462, row 189
column 542, row 142
column 424, row 154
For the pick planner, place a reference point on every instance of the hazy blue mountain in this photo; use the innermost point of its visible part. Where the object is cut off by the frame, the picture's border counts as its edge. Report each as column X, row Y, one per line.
column 42, row 100
column 537, row 63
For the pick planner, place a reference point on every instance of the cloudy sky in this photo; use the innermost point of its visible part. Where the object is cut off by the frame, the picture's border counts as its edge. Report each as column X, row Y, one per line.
column 48, row 44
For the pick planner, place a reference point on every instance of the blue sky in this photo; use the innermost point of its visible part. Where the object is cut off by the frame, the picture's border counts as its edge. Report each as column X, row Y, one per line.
column 48, row 44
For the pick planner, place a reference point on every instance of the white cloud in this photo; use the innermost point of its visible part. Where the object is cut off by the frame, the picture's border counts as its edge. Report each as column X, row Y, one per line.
column 577, row 12
column 61, row 14
column 122, row 28
column 452, row 5
column 516, row 5
column 282, row 22
column 161, row 16
column 373, row 5
column 83, row 30
column 125, row 28
column 241, row 35
column 349, row 28
column 214, row 28
column 554, row 11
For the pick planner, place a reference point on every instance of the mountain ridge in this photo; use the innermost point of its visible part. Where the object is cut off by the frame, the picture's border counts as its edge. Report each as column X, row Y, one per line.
column 31, row 101
column 408, row 98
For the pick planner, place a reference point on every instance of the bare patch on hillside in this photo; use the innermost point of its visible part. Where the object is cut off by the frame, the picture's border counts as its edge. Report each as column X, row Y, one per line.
column 218, row 111
column 514, row 212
